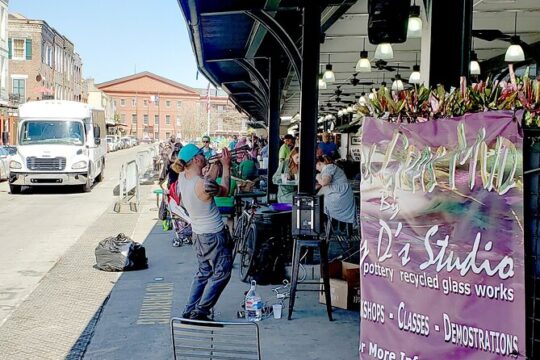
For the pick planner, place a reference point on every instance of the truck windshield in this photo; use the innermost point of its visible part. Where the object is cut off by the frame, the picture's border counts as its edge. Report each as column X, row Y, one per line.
column 52, row 132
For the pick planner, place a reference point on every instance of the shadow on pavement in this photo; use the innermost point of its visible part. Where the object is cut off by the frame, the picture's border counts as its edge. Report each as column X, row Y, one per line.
column 134, row 322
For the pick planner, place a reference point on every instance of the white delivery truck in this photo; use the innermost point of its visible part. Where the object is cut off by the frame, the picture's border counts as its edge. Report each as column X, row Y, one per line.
column 59, row 143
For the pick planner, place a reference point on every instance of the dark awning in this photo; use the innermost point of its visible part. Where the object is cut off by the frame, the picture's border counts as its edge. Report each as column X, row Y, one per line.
column 233, row 41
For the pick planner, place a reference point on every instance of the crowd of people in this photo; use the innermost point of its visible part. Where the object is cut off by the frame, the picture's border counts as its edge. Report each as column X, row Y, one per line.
column 196, row 176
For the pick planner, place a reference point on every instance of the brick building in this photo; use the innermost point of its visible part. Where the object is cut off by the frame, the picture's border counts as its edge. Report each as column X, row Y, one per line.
column 7, row 120
column 153, row 107
column 42, row 62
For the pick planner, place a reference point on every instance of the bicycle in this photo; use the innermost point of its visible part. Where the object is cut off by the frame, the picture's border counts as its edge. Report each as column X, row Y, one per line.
column 242, row 233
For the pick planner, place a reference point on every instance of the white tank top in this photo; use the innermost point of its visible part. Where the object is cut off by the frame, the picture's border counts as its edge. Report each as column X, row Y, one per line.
column 205, row 216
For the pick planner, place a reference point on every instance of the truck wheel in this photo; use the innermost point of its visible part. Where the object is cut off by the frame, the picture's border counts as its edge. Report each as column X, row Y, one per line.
column 88, row 186
column 99, row 178
column 15, row 189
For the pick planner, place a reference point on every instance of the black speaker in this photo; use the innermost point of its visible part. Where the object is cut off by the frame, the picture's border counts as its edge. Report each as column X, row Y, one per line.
column 5, row 137
column 388, row 20
column 307, row 215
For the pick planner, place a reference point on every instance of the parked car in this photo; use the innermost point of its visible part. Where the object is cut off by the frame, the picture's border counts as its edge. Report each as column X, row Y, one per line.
column 126, row 141
column 4, row 162
column 134, row 141
column 110, row 145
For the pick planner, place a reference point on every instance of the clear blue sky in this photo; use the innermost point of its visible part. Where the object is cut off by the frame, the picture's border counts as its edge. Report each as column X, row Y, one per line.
column 115, row 37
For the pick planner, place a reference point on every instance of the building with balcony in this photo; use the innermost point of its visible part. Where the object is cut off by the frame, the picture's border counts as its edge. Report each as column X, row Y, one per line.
column 43, row 63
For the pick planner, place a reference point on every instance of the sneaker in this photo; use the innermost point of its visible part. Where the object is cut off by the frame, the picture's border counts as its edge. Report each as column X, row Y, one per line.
column 176, row 243
column 195, row 315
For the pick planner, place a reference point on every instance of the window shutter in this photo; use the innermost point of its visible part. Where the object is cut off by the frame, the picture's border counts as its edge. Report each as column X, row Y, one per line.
column 9, row 48
column 28, row 49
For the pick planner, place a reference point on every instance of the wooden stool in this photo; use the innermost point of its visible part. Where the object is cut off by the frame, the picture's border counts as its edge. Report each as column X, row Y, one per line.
column 299, row 244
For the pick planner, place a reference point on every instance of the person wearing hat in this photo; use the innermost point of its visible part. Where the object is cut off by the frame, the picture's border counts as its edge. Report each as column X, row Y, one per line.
column 211, row 239
column 208, row 152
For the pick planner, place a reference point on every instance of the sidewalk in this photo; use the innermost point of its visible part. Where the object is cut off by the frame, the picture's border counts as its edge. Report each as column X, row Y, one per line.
column 78, row 312
column 134, row 323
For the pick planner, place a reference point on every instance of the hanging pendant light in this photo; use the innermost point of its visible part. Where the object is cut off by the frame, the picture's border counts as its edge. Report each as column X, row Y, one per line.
column 322, row 83
column 414, row 27
column 383, row 85
column 415, row 75
column 362, row 100
column 514, row 53
column 384, row 51
column 474, row 66
column 329, row 76
column 397, row 85
column 349, row 109
column 363, row 65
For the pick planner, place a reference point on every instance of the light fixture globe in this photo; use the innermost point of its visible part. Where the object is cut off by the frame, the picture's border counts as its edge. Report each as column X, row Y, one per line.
column 363, row 65
column 340, row 113
column 474, row 66
column 415, row 75
column 414, row 27
column 350, row 109
column 397, row 85
column 362, row 100
column 514, row 53
column 329, row 76
column 384, row 51
column 322, row 83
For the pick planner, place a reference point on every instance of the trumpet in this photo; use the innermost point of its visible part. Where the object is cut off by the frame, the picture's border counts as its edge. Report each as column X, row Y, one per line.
column 234, row 154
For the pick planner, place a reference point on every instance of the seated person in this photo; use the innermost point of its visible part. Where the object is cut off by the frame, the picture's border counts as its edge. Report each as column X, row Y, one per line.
column 290, row 169
column 337, row 192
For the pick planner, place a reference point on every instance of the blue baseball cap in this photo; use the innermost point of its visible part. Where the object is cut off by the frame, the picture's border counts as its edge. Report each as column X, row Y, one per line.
column 188, row 152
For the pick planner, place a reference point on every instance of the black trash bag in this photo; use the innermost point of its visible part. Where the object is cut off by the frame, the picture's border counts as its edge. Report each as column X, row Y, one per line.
column 120, row 253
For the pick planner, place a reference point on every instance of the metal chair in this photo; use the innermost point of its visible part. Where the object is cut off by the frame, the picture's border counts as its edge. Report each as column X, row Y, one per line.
column 341, row 232
column 215, row 340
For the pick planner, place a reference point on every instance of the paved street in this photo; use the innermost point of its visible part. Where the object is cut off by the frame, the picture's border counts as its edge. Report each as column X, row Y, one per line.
column 56, row 305
column 37, row 227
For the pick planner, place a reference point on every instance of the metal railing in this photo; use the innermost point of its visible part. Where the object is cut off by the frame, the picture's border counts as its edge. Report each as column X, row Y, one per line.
column 129, row 193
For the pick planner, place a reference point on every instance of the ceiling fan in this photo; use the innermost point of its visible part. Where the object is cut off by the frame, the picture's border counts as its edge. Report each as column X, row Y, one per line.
column 491, row 34
column 338, row 92
column 355, row 81
column 383, row 65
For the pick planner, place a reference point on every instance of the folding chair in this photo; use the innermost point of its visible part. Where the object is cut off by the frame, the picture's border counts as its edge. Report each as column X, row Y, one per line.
column 215, row 340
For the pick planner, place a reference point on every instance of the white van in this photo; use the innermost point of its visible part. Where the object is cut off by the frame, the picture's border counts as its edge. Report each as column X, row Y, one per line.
column 59, row 143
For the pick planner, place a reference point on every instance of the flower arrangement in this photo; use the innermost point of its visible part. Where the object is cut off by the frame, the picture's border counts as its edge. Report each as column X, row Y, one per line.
column 421, row 103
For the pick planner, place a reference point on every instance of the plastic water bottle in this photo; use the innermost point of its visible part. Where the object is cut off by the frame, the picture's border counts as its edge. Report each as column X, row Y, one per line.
column 253, row 304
